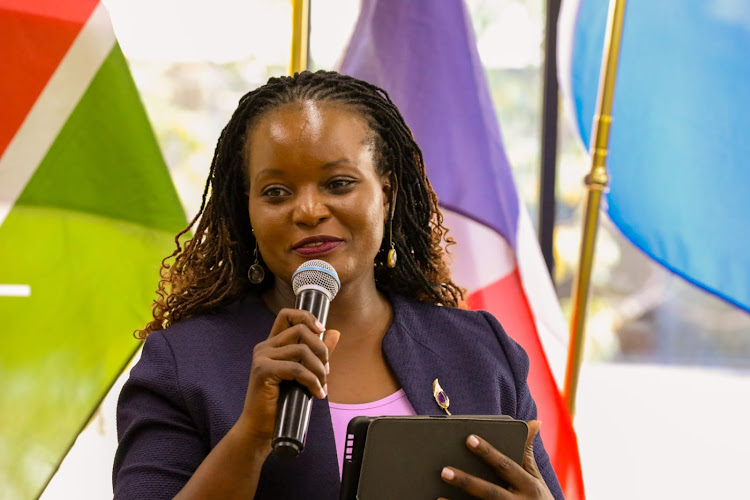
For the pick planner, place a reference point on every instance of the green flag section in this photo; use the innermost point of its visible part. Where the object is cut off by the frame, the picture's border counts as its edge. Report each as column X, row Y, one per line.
column 86, row 235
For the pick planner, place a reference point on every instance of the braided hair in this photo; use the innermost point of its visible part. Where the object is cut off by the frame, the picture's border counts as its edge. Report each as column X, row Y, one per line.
column 210, row 269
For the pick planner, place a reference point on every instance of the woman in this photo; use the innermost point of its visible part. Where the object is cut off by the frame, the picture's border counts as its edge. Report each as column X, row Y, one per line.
column 318, row 165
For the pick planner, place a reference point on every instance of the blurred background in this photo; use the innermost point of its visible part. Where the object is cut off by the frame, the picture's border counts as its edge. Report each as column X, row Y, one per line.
column 664, row 389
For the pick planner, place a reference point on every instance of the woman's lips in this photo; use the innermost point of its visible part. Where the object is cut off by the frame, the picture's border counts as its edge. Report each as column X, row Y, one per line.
column 318, row 248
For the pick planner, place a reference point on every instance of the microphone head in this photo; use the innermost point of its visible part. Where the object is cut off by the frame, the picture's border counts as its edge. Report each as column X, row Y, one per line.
column 316, row 274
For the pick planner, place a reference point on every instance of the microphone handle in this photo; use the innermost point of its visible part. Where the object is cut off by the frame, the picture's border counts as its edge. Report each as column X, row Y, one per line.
column 295, row 401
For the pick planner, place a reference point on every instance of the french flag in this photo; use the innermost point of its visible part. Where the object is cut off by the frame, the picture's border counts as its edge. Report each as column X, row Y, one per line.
column 423, row 53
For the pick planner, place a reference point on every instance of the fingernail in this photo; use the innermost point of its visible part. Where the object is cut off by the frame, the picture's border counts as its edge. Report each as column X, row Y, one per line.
column 447, row 473
column 328, row 368
column 320, row 326
column 325, row 390
column 473, row 441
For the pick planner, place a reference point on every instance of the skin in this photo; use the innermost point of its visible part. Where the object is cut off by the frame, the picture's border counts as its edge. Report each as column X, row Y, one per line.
column 311, row 172
column 524, row 482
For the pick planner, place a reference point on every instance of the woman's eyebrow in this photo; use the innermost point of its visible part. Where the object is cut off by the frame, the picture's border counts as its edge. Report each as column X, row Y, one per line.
column 277, row 172
column 268, row 172
column 336, row 163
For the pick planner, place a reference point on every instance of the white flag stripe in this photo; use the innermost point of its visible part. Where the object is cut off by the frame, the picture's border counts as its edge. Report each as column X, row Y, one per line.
column 541, row 296
column 53, row 107
column 481, row 256
column 15, row 291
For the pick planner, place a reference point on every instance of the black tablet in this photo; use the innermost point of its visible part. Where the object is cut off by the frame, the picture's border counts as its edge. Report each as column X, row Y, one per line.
column 401, row 457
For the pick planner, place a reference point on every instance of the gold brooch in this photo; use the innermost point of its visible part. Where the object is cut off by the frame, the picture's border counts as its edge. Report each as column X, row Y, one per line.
column 441, row 398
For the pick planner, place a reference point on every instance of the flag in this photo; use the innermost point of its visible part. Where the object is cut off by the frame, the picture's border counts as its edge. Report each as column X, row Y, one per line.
column 678, row 148
column 424, row 55
column 87, row 211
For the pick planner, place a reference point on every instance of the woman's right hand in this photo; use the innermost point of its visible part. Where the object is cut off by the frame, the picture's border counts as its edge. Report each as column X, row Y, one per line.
column 292, row 351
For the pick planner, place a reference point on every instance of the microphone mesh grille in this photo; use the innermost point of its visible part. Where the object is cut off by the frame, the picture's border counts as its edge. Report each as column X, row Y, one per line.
column 316, row 272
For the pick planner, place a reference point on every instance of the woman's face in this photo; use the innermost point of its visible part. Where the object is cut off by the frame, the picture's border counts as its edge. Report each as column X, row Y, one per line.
column 314, row 192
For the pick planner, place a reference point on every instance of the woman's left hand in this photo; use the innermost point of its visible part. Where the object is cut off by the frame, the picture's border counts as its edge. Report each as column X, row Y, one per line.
column 522, row 482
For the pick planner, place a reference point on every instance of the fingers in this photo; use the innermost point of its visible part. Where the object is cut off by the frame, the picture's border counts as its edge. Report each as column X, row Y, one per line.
column 300, row 334
column 303, row 355
column 301, row 347
column 288, row 318
column 294, row 350
column 506, row 468
column 473, row 485
column 529, row 461
column 522, row 482
column 274, row 370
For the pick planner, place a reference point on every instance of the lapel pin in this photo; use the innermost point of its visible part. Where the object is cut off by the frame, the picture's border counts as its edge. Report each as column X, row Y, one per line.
column 441, row 398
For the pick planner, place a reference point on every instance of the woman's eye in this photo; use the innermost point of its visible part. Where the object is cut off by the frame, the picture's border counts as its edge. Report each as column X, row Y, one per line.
column 274, row 192
column 340, row 184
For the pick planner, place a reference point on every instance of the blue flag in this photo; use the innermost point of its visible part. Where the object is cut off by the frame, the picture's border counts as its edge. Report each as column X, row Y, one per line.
column 679, row 147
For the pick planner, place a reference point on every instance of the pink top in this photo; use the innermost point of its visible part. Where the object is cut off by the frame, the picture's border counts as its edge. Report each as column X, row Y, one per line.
column 394, row 405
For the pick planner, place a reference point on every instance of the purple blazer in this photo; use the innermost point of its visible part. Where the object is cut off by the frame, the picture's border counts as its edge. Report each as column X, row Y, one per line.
column 188, row 390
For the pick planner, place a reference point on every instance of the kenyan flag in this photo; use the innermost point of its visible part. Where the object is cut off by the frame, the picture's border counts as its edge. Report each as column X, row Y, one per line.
column 87, row 210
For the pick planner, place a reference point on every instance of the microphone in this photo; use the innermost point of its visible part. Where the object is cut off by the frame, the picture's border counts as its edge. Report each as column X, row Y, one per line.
column 315, row 283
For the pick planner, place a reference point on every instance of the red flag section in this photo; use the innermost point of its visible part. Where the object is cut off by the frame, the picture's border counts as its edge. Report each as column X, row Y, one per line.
column 34, row 37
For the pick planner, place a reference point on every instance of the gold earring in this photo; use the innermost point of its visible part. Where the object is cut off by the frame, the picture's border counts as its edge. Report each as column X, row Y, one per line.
column 392, row 254
column 256, row 273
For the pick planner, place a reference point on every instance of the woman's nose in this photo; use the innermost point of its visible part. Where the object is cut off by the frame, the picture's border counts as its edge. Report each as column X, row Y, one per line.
column 310, row 209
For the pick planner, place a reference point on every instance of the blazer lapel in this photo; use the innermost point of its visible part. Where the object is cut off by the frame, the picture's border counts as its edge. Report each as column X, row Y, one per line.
column 419, row 351
column 416, row 365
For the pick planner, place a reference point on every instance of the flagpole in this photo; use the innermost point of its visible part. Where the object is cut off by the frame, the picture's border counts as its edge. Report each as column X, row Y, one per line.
column 300, row 35
column 596, row 183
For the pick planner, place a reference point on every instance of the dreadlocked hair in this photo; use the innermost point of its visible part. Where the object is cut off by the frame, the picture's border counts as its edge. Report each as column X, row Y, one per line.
column 210, row 269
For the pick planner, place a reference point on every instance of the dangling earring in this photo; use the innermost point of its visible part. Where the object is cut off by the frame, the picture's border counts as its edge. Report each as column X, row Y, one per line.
column 392, row 255
column 256, row 273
